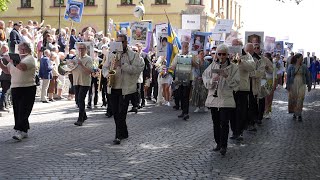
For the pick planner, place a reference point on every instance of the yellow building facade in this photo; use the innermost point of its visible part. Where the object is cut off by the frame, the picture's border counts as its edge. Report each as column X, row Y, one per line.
column 98, row 12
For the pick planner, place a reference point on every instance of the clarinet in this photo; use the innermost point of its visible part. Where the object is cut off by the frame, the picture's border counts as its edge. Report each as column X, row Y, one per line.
column 215, row 94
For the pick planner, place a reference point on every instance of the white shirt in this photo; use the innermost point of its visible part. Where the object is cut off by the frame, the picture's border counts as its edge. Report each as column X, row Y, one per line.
column 308, row 61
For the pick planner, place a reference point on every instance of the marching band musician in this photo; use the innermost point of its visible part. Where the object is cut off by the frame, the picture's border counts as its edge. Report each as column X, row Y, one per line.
column 128, row 69
column 95, row 75
column 82, row 81
column 255, row 81
column 107, row 56
column 246, row 65
column 183, row 92
column 222, row 79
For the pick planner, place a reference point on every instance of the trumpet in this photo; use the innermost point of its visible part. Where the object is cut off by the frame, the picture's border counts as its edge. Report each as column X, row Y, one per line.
column 112, row 71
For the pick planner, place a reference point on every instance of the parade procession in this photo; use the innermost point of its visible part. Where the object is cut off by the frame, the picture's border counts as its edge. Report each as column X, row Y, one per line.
column 196, row 71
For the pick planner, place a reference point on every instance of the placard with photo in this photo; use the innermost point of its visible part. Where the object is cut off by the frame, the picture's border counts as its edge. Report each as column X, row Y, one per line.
column 255, row 37
column 139, row 33
column 162, row 41
column 269, row 44
column 74, row 11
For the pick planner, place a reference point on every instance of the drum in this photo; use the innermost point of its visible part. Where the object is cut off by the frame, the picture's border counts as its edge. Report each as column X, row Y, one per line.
column 184, row 68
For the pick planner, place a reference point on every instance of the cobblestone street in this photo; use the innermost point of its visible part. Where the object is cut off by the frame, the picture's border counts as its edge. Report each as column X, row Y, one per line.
column 161, row 146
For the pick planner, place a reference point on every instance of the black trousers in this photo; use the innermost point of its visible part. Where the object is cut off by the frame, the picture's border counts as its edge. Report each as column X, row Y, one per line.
column 239, row 121
column 153, row 90
column 81, row 93
column 103, row 87
column 71, row 89
column 221, row 118
column 253, row 109
column 23, row 100
column 120, row 105
column 93, row 90
column 3, row 99
column 142, row 99
column 109, row 102
column 177, row 98
column 184, row 91
column 261, row 108
column 135, row 98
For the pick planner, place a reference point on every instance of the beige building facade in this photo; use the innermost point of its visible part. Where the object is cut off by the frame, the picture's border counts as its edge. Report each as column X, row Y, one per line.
column 98, row 12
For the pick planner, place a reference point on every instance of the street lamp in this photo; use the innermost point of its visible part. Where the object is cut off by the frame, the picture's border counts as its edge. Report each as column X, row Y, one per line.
column 60, row 2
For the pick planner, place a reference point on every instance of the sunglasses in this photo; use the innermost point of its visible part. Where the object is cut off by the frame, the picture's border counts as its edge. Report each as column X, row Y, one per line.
column 257, row 48
column 222, row 54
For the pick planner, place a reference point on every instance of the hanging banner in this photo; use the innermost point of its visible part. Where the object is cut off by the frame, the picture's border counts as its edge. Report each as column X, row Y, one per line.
column 198, row 41
column 74, row 11
column 269, row 44
column 139, row 33
column 223, row 26
column 191, row 21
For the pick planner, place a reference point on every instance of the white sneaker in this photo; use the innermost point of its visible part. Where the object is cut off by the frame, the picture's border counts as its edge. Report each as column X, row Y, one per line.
column 18, row 136
column 267, row 116
column 168, row 103
column 24, row 134
column 197, row 110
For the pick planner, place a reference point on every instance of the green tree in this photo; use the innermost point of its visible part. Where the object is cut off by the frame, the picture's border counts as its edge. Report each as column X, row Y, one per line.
column 4, row 5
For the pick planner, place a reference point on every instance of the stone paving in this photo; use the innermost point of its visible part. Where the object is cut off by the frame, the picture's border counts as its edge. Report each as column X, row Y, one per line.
column 161, row 146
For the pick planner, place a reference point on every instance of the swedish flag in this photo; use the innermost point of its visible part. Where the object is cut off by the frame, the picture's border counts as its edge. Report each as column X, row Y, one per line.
column 173, row 45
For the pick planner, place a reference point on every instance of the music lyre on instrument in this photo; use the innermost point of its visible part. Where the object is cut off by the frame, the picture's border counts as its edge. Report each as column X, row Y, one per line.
column 184, row 68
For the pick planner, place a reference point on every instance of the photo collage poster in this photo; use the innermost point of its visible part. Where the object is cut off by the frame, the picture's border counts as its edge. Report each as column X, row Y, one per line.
column 199, row 41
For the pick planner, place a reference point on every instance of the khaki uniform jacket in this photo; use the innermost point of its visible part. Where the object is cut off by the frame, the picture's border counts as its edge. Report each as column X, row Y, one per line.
column 257, row 75
column 127, row 75
column 226, row 86
column 245, row 67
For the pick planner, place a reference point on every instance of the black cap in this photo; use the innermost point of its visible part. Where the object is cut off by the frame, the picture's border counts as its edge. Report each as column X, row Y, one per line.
column 16, row 24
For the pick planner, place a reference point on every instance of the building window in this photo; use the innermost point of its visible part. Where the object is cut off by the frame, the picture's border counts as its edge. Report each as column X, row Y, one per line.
column 56, row 3
column 195, row 2
column 25, row 3
column 126, row 2
column 89, row 2
column 161, row 2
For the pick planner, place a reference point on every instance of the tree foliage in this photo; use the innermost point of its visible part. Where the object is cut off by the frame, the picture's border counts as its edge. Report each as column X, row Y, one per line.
column 4, row 5
column 296, row 1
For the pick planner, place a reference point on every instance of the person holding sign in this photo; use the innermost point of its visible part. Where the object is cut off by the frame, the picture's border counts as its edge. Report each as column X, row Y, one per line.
column 23, row 87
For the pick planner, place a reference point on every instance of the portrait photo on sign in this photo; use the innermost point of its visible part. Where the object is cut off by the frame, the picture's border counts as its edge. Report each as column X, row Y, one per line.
column 231, row 36
column 90, row 49
column 162, row 41
column 198, row 42
column 269, row 44
column 74, row 11
column 139, row 34
column 279, row 48
column 255, row 38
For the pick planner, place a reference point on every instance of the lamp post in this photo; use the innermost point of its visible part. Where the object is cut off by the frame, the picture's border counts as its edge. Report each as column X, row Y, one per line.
column 60, row 2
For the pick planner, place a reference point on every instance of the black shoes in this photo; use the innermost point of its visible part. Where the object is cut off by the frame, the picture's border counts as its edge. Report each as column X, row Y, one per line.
column 116, row 141
column 45, row 101
column 184, row 116
column 134, row 110
column 78, row 123
column 217, row 148
column 89, row 106
column 108, row 115
column 176, row 107
column 52, row 100
column 223, row 151
column 300, row 118
column 259, row 122
column 233, row 137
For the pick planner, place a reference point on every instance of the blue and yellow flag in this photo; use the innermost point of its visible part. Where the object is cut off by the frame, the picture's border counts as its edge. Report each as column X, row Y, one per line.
column 173, row 45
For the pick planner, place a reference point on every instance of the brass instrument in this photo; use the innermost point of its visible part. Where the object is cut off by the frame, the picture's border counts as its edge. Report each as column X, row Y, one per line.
column 112, row 70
